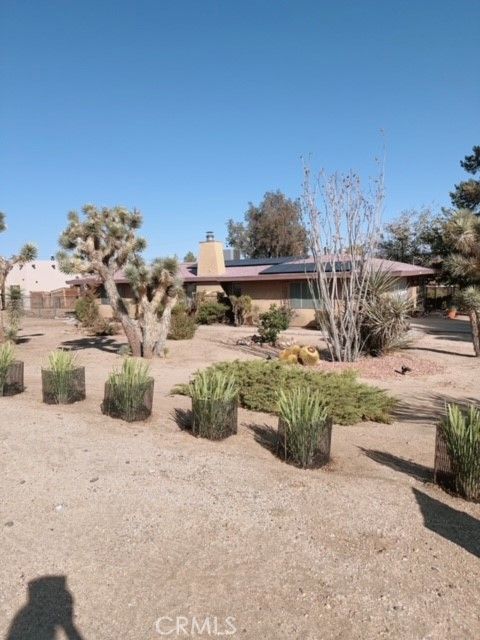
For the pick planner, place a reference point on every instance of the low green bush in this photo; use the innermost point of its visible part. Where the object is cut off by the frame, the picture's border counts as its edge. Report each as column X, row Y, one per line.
column 273, row 321
column 182, row 327
column 346, row 400
column 86, row 310
column 211, row 312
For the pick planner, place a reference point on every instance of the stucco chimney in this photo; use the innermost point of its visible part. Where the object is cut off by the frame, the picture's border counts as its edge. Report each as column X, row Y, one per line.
column 210, row 257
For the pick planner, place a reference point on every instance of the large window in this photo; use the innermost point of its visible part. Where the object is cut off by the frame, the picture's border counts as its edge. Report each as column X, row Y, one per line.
column 300, row 296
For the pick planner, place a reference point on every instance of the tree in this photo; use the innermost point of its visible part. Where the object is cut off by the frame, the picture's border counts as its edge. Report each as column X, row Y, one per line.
column 190, row 257
column 26, row 254
column 103, row 243
column 462, row 234
column 414, row 237
column 273, row 228
column 467, row 193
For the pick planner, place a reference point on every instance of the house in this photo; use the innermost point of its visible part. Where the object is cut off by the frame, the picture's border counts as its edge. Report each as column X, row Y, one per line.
column 281, row 280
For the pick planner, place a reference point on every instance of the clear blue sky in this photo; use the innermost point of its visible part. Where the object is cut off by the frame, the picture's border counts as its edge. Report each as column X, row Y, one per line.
column 190, row 109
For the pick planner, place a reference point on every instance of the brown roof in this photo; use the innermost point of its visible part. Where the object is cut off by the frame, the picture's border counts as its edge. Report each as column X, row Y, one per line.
column 281, row 269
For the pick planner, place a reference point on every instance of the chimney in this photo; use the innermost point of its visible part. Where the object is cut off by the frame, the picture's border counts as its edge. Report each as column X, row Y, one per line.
column 210, row 257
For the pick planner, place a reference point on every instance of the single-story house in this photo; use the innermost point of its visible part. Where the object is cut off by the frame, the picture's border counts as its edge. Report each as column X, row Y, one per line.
column 281, row 280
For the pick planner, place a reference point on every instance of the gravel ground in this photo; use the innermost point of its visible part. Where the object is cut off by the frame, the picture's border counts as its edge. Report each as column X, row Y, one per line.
column 147, row 523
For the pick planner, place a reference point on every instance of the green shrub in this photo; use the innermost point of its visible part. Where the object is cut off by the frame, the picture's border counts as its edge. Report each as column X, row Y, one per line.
column 182, row 327
column 211, row 312
column 7, row 358
column 214, row 404
column 346, row 400
column 15, row 311
column 461, row 429
column 304, row 419
column 128, row 387
column 86, row 310
column 273, row 321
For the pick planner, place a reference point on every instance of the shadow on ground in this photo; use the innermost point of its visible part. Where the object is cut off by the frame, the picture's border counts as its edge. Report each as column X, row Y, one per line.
column 265, row 435
column 426, row 408
column 48, row 610
column 103, row 343
column 453, row 525
column 413, row 469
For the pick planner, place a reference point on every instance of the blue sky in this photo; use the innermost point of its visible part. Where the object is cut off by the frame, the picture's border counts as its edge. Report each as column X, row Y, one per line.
column 188, row 110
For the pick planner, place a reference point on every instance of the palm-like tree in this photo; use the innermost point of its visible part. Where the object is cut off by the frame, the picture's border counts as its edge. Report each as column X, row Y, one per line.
column 462, row 233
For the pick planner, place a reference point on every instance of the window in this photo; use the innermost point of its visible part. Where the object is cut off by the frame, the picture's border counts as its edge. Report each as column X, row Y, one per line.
column 301, row 296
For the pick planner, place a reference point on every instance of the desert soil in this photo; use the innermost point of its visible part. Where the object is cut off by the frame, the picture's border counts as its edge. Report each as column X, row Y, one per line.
column 147, row 522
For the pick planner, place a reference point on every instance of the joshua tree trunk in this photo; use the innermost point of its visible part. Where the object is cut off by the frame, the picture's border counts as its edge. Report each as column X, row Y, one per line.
column 474, row 322
column 132, row 330
column 164, row 326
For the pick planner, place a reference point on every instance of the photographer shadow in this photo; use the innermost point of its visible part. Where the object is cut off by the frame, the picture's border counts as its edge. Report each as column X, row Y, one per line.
column 49, row 609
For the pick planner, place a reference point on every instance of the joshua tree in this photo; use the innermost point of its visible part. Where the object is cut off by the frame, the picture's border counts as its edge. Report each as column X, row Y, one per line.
column 26, row 254
column 102, row 243
column 462, row 234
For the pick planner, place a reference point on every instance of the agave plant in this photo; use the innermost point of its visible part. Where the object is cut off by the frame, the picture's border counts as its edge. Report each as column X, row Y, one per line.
column 461, row 430
column 127, row 389
column 214, row 404
column 302, row 420
column 6, row 360
column 384, row 320
column 61, row 365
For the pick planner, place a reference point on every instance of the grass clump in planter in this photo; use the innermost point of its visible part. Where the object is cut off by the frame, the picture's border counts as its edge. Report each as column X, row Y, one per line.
column 63, row 381
column 214, row 404
column 347, row 400
column 11, row 371
column 129, row 391
column 461, row 431
column 304, row 429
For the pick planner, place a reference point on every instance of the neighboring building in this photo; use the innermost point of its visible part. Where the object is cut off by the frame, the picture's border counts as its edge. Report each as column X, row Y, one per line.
column 267, row 280
column 42, row 284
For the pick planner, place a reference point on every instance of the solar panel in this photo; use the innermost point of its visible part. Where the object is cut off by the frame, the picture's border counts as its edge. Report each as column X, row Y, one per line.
column 306, row 267
column 253, row 262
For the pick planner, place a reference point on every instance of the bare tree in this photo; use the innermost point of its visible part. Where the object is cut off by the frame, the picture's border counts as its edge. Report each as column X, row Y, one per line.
column 102, row 244
column 343, row 222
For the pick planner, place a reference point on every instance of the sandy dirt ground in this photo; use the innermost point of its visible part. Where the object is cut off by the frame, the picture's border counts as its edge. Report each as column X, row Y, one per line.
column 147, row 523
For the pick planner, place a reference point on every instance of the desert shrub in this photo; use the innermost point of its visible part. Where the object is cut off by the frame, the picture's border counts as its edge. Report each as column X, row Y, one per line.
column 304, row 418
column 241, row 306
column 214, row 404
column 211, row 312
column 6, row 359
column 128, row 387
column 346, row 400
column 86, row 309
column 461, row 430
column 273, row 321
column 182, row 327
column 61, row 365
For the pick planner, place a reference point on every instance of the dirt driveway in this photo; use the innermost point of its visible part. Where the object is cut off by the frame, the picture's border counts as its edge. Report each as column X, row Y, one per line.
column 159, row 534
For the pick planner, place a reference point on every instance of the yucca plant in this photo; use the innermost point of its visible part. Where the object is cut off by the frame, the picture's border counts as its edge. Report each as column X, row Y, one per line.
column 127, row 391
column 304, row 427
column 7, row 358
column 59, row 385
column 214, row 404
column 461, row 430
